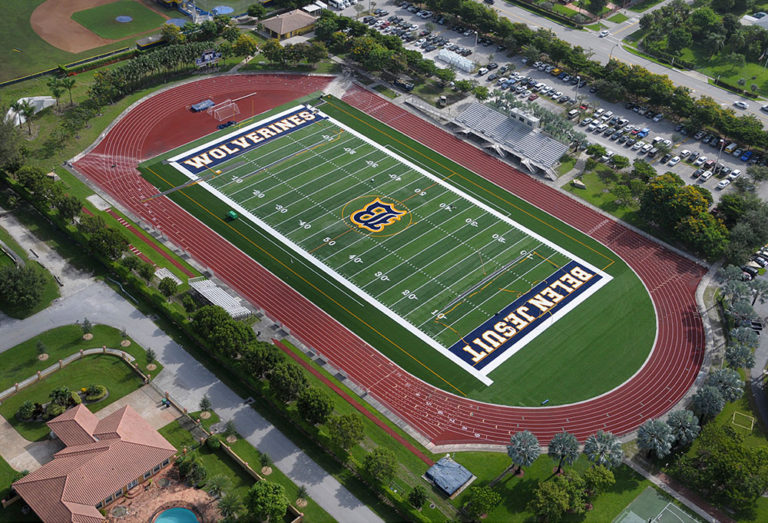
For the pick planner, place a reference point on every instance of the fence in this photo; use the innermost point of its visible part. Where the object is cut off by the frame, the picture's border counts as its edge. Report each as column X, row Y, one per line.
column 41, row 374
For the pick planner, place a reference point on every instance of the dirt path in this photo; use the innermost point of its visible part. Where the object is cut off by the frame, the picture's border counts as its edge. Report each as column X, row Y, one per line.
column 52, row 21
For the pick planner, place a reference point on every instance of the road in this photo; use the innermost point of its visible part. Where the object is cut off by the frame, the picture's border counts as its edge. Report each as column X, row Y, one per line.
column 186, row 379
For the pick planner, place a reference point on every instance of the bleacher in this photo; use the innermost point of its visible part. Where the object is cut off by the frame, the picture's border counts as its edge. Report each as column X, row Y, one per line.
column 215, row 295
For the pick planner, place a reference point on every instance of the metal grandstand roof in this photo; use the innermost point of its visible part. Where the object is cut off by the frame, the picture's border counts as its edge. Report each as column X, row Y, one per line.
column 218, row 296
column 514, row 136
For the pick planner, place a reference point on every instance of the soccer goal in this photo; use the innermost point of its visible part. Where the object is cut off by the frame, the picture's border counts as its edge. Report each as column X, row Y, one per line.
column 743, row 421
column 224, row 110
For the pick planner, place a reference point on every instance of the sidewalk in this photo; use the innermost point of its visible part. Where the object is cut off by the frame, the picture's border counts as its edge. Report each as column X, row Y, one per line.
column 183, row 377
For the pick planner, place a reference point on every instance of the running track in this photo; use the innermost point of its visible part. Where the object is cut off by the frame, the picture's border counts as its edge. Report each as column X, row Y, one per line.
column 163, row 122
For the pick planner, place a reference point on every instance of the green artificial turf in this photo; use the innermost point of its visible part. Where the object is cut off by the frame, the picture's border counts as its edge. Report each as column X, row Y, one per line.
column 550, row 367
column 102, row 19
column 109, row 371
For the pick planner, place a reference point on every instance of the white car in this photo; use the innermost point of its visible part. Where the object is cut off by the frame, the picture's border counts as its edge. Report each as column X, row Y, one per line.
column 604, row 33
column 638, row 145
column 734, row 174
column 741, row 105
column 706, row 175
column 700, row 161
column 685, row 153
column 723, row 184
column 764, row 108
column 674, row 161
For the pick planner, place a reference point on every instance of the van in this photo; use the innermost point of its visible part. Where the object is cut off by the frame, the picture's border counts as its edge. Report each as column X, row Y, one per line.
column 731, row 147
column 573, row 113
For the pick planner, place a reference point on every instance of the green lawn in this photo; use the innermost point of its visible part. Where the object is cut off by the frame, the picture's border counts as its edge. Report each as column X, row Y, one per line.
column 566, row 166
column 50, row 289
column 23, row 52
column 386, row 91
column 12, row 513
column 21, row 362
column 644, row 5
column 598, row 193
column 545, row 368
column 102, row 19
column 596, row 27
column 618, row 18
column 109, row 371
column 565, row 11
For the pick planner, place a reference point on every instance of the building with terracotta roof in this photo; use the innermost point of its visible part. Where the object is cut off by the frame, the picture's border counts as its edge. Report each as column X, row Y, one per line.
column 289, row 24
column 102, row 460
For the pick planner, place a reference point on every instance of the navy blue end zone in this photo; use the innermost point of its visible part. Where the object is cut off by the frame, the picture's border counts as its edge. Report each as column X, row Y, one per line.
column 513, row 323
column 252, row 137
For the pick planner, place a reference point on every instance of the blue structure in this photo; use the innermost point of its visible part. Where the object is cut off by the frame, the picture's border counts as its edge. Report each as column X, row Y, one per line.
column 448, row 475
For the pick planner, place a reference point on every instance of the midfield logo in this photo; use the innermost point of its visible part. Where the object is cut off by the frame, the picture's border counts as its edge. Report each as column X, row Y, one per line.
column 376, row 215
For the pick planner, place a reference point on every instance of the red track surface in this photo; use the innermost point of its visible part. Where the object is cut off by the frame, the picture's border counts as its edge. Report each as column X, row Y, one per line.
column 162, row 122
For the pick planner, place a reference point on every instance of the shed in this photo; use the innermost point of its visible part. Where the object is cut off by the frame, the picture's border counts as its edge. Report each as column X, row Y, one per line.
column 449, row 476
column 289, row 24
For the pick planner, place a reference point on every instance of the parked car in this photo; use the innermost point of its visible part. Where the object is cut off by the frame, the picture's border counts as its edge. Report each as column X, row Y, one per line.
column 685, row 153
column 734, row 174
column 723, row 184
column 746, row 156
column 700, row 161
column 674, row 161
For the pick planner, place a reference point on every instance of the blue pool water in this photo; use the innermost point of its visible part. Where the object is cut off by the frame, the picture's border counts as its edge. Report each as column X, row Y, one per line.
column 176, row 515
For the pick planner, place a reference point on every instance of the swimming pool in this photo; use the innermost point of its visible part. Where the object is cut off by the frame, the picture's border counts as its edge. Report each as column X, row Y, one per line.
column 176, row 515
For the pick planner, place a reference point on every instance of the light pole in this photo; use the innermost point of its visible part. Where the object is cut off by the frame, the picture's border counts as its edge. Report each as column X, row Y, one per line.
column 610, row 55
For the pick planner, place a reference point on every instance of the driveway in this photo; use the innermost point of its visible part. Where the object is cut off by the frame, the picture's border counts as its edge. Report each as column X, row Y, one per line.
column 183, row 377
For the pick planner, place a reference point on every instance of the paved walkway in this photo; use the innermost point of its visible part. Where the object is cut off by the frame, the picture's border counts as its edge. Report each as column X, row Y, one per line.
column 183, row 377
column 22, row 454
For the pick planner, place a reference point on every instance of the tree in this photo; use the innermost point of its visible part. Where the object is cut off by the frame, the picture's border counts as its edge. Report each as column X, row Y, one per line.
column 150, row 353
column 738, row 356
column 684, row 426
column 266, row 501
column 231, row 33
column 60, row 396
column 596, row 6
column 205, row 403
column 86, row 326
column 480, row 500
column 21, row 287
column 273, row 51
column 246, row 45
column 218, row 484
column 380, row 464
column 41, row 348
column 12, row 145
column 678, row 39
column 597, row 479
column 54, row 85
column 69, row 207
column 708, row 402
column 728, row 382
column 550, row 501
column 655, row 436
column 168, row 286
column 642, row 170
column 68, row 83
column 417, row 497
column 744, row 335
column 172, row 34
column 620, row 162
column 26, row 410
column 108, row 242
column 287, row 380
column 564, row 448
column 757, row 173
column 230, row 505
column 261, row 358
column 759, row 288
column 314, row 405
column 623, row 195
column 257, row 10
column 603, row 448
column 345, row 430
column 523, row 449
column 723, row 469
column 596, row 150
column 25, row 109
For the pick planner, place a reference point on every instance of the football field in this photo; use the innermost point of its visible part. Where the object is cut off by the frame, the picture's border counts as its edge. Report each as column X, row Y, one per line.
column 463, row 277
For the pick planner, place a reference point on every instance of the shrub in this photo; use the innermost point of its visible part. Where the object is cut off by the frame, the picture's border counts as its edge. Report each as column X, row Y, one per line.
column 213, row 443
column 26, row 410
column 75, row 398
column 95, row 392
column 53, row 410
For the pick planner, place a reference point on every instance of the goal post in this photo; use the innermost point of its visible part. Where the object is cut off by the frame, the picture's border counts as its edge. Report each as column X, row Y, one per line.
column 224, row 110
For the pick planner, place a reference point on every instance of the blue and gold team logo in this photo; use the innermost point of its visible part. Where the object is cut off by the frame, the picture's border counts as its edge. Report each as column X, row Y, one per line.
column 376, row 215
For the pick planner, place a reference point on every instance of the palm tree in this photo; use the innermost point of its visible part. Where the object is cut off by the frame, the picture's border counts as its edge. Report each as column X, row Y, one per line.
column 56, row 89
column 708, row 402
column 524, row 448
column 603, row 448
column 218, row 484
column 564, row 448
column 60, row 396
column 715, row 42
column 68, row 83
column 230, row 505
column 25, row 109
column 728, row 382
column 655, row 436
column 685, row 427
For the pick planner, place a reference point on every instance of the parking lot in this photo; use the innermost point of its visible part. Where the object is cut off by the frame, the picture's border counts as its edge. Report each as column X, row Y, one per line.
column 423, row 32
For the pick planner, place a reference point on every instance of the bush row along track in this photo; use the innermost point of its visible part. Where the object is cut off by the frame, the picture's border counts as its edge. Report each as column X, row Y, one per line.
column 163, row 121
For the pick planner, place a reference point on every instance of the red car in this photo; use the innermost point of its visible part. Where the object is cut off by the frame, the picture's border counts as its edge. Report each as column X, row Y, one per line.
column 533, row 97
